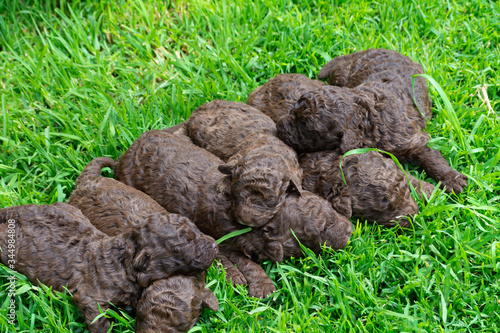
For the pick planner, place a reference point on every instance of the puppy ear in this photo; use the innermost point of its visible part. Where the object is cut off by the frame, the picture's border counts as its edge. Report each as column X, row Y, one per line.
column 224, row 185
column 227, row 168
column 349, row 141
column 209, row 300
column 142, row 258
column 330, row 183
column 141, row 261
column 302, row 103
column 294, row 186
column 338, row 194
column 303, row 106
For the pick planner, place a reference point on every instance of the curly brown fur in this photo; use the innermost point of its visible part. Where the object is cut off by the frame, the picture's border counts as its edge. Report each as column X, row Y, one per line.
column 277, row 97
column 262, row 168
column 185, row 179
column 113, row 208
column 381, row 65
column 392, row 72
column 221, row 126
column 58, row 246
column 173, row 305
column 263, row 172
column 377, row 113
column 377, row 189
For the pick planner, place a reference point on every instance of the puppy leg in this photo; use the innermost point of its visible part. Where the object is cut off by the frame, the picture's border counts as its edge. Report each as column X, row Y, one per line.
column 259, row 284
column 233, row 275
column 438, row 168
column 421, row 186
column 90, row 310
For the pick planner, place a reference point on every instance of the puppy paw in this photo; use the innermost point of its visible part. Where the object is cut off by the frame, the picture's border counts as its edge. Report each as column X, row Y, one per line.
column 423, row 187
column 427, row 188
column 262, row 289
column 454, row 181
column 236, row 278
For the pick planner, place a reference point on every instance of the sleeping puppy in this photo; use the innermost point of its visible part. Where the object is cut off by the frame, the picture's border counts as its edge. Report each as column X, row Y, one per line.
column 376, row 189
column 185, row 179
column 381, row 65
column 278, row 96
column 262, row 168
column 372, row 107
column 58, row 246
column 167, row 305
column 402, row 111
column 173, row 305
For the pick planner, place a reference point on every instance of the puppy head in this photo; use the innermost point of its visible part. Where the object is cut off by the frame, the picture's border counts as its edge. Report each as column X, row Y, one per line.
column 309, row 126
column 314, row 222
column 173, row 304
column 259, row 185
column 322, row 176
column 326, row 118
column 169, row 244
column 378, row 189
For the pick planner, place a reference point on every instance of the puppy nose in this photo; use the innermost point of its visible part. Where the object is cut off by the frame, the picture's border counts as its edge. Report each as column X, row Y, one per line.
column 349, row 229
column 214, row 246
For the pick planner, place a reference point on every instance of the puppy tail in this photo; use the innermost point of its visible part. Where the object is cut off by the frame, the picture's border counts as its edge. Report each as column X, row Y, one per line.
column 93, row 169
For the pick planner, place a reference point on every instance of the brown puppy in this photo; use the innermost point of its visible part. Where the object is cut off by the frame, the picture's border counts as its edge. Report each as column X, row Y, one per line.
column 168, row 305
column 392, row 72
column 378, row 113
column 58, row 246
column 381, row 65
column 377, row 189
column 262, row 168
column 173, row 305
column 185, row 179
column 278, row 96
column 221, row 126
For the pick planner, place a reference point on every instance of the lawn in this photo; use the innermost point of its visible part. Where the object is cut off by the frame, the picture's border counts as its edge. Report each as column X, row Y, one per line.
column 82, row 79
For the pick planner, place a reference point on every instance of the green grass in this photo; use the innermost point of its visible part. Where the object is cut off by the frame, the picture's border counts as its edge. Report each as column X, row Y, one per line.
column 84, row 79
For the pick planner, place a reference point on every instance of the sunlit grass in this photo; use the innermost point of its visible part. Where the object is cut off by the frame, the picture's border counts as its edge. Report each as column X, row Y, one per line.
column 82, row 79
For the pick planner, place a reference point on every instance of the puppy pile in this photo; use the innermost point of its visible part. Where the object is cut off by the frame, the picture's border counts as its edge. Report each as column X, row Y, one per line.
column 145, row 240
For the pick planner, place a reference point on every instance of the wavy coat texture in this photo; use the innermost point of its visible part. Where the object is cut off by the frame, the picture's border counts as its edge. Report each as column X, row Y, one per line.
column 371, row 105
column 58, row 246
column 185, row 179
column 263, row 169
column 278, row 96
column 173, row 305
column 377, row 189
column 166, row 305
column 383, row 65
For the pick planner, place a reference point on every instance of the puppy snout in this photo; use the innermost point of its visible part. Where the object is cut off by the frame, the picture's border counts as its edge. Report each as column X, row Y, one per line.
column 253, row 216
column 337, row 236
column 412, row 209
column 211, row 247
column 349, row 229
column 206, row 251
